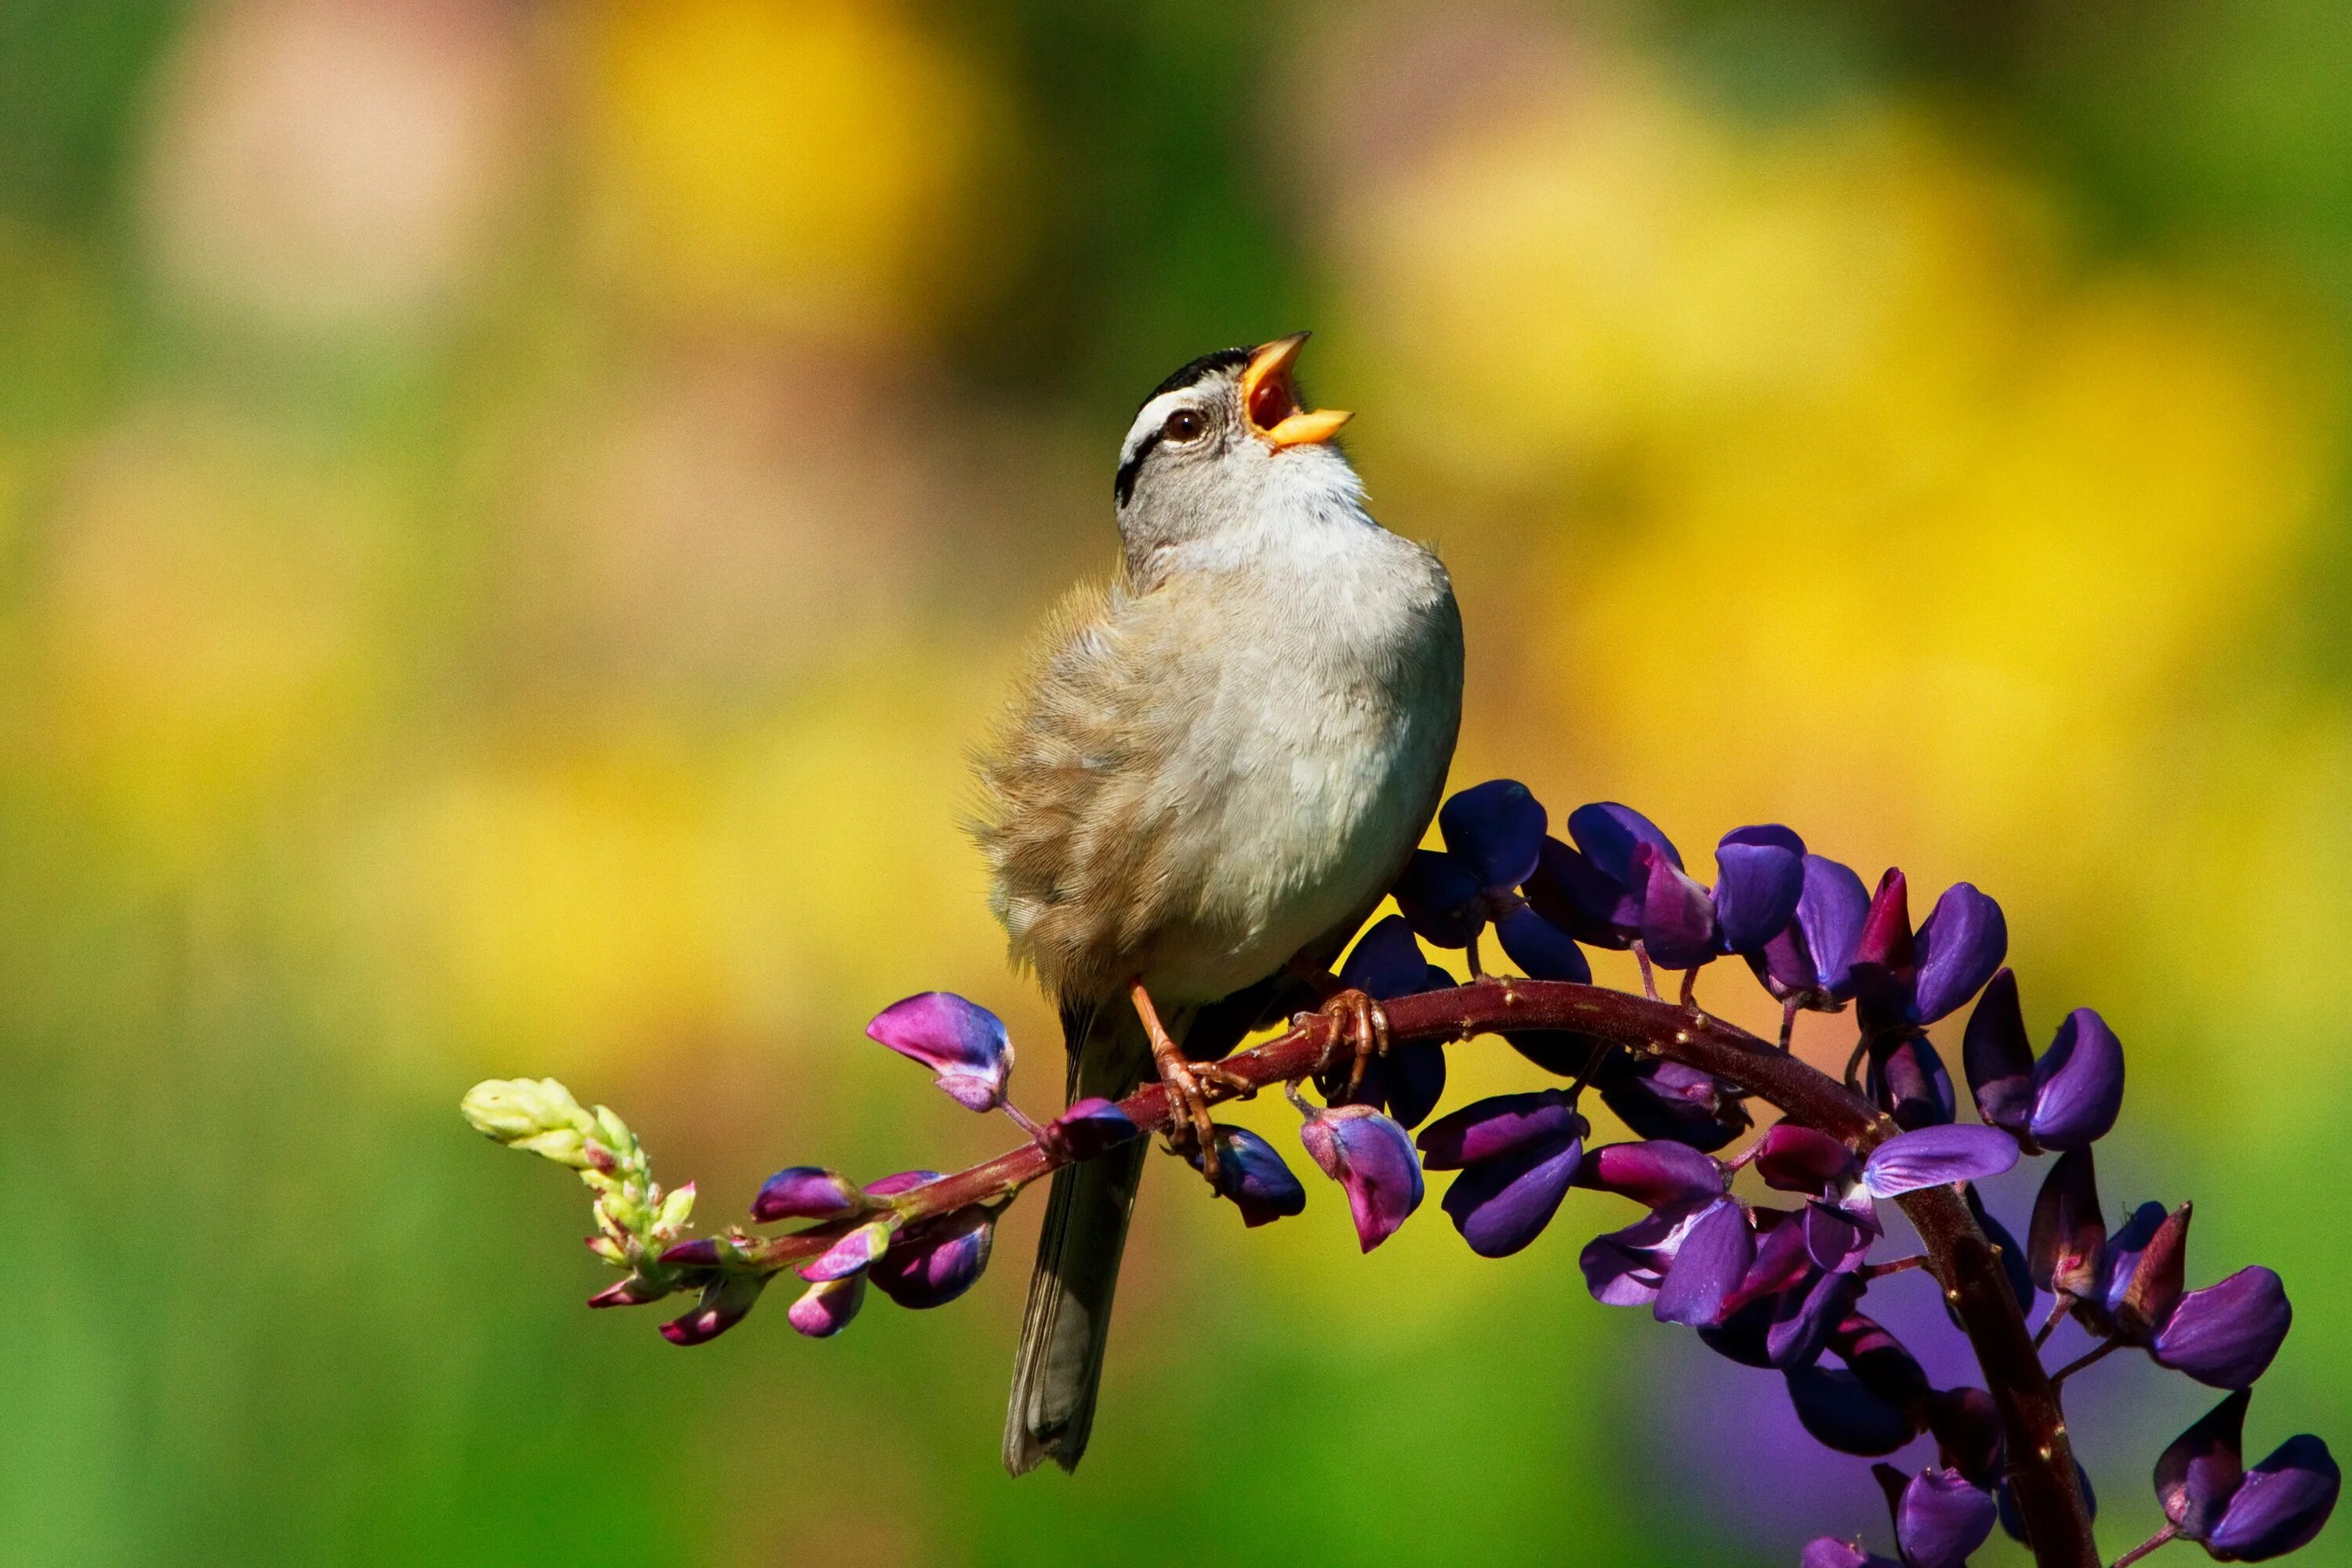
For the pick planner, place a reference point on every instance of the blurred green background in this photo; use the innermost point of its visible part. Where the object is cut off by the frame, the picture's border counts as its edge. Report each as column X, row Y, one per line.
column 510, row 514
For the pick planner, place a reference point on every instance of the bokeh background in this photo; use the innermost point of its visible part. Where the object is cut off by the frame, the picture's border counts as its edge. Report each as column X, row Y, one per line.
column 510, row 513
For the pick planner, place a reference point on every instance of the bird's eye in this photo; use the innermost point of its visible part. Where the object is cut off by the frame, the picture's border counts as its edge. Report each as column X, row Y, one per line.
column 1184, row 425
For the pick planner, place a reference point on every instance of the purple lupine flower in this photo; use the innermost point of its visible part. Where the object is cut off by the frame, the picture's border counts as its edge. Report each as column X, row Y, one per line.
column 1840, row 1411
column 1787, row 1328
column 725, row 1301
column 1252, row 1176
column 806, row 1192
column 1828, row 1552
column 1710, row 1262
column 1089, row 1127
column 962, row 1042
column 2284, row 1503
column 1810, row 962
column 1372, row 1157
column 2067, row 1243
column 2068, row 1098
column 1940, row 1516
column 1678, row 912
column 1494, row 836
column 1759, row 878
column 938, row 1263
column 1659, row 1099
column 2241, row 1515
column 854, row 1253
column 2224, row 1335
column 1386, row 963
column 1595, row 891
column 1937, row 1156
column 1656, row 1174
column 1905, row 1078
column 1908, row 980
column 1793, row 1159
column 825, row 1309
column 1516, row 1153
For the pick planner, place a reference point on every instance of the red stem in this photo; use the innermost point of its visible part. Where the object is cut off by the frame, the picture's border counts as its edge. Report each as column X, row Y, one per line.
column 2041, row 1463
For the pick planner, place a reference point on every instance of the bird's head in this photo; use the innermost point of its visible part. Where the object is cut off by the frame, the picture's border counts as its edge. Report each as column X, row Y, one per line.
column 1222, row 458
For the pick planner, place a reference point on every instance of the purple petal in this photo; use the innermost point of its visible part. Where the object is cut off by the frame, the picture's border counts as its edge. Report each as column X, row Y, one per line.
column 1253, row 1177
column 1677, row 915
column 1438, row 895
column 962, row 1042
column 1708, row 1268
column 2225, row 1335
column 1499, row 1126
column 1885, row 947
column 806, row 1192
column 1793, row 1159
column 1780, row 1260
column 724, row 1302
column 899, row 1184
column 1833, row 1240
column 2068, row 1237
column 1826, row 1551
column 1496, row 829
column 1416, row 1080
column 1960, row 944
column 936, row 1266
column 1880, row 1361
column 2120, row 1258
column 1625, row 1267
column 1830, row 915
column 1937, row 1156
column 1386, row 962
column 825, row 1307
column 1541, row 948
column 2078, row 1084
column 1372, row 1157
column 1657, row 1173
column 1760, row 876
column 1841, row 1413
column 2157, row 1273
column 853, row 1253
column 1998, row 1057
column 1608, row 832
column 2285, row 1502
column 2199, row 1472
column 1501, row 1206
column 1906, row 1079
column 1942, row 1518
column 1659, row 1099
column 1089, row 1127
column 1577, row 895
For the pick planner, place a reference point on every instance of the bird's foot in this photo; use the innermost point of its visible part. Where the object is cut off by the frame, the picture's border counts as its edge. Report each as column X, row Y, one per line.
column 1359, row 1028
column 1193, row 1128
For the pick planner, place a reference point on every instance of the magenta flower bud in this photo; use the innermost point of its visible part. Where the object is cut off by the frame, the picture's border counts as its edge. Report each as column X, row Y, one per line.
column 1935, row 1157
column 1656, row 1174
column 1253, row 1177
column 1677, row 913
column 1759, row 876
column 725, row 1301
column 1371, row 1156
column 806, row 1192
column 1828, row 1552
column 853, row 1252
column 2281, row 1505
column 1793, row 1159
column 629, row 1290
column 1089, row 1127
column 825, row 1307
column 962, row 1042
column 2066, row 1245
column 1884, row 950
column 1708, row 1266
column 900, row 1184
column 2225, row 1335
column 701, row 1252
column 940, row 1263
column 2197, row 1475
column 1496, row 830
column 1905, row 1078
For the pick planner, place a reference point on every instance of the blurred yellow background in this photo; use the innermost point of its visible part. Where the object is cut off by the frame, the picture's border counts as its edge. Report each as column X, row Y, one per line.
column 510, row 513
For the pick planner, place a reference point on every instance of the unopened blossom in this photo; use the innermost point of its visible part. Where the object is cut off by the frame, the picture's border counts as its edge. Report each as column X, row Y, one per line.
column 1907, row 979
column 2241, row 1515
column 806, row 1192
column 961, row 1041
column 1516, row 1153
column 1252, row 1176
column 2067, row 1098
column 1371, row 1157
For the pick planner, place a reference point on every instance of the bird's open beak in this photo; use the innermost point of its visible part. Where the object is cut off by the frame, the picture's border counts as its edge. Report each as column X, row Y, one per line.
column 1271, row 402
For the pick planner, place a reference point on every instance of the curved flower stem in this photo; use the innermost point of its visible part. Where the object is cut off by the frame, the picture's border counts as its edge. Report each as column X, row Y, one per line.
column 2168, row 1533
column 2105, row 1349
column 2041, row 1463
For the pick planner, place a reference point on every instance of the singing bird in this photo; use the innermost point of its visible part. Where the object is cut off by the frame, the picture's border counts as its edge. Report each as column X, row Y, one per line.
column 1205, row 784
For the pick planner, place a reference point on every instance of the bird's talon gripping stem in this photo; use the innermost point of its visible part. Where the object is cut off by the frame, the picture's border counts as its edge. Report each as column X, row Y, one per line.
column 1182, row 1081
column 1360, row 1024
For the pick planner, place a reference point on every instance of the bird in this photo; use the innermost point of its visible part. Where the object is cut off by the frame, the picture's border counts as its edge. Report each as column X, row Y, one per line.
column 1209, row 774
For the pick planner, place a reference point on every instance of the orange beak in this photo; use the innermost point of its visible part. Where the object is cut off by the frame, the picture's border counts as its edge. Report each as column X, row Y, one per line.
column 1271, row 401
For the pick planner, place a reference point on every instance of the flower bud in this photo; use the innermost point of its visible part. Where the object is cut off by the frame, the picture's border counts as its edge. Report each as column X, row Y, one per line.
column 806, row 1192
column 939, row 1263
column 2225, row 1335
column 962, row 1042
column 537, row 1115
column 725, row 1301
column 825, row 1307
column 1372, row 1158
column 1251, row 1174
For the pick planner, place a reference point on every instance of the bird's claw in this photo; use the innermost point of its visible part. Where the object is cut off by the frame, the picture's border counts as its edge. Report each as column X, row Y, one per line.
column 1193, row 1127
column 1360, row 1026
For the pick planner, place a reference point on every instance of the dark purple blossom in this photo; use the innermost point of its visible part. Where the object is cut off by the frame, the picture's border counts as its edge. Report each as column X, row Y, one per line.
column 1905, row 1078
column 825, row 1309
column 1711, row 1259
column 1874, row 1406
column 1907, row 979
column 962, row 1042
column 2068, row 1098
column 1252, row 1176
column 1657, row 1173
column 1759, row 878
column 1516, row 1153
column 1940, row 1516
column 1811, row 961
column 2224, row 1335
column 1596, row 892
column 1386, row 963
column 1372, row 1158
column 942, row 1262
column 1659, row 1099
column 1494, row 836
column 1935, row 1157
column 2241, row 1515
column 1089, row 1127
